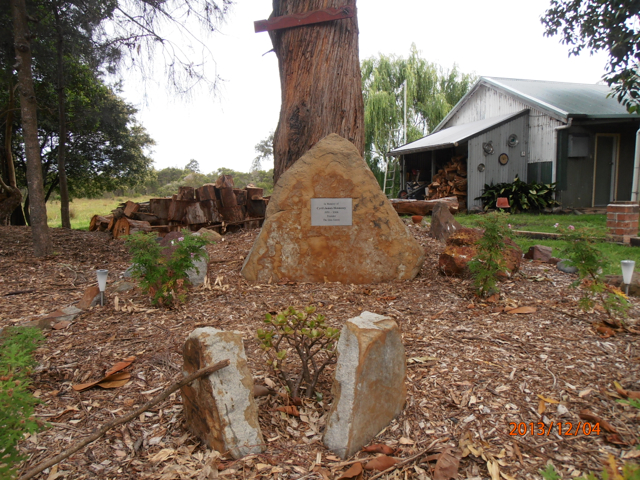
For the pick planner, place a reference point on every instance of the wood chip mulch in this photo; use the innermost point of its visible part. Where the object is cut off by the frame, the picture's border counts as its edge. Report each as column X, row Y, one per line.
column 474, row 371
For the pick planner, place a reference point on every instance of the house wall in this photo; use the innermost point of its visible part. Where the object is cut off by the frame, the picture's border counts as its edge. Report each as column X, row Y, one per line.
column 494, row 172
column 488, row 102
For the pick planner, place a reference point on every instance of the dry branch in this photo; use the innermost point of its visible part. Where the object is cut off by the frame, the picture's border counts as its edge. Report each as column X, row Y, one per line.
column 118, row 421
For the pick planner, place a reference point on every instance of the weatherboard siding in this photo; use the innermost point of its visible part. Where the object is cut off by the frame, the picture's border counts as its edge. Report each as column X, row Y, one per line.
column 487, row 102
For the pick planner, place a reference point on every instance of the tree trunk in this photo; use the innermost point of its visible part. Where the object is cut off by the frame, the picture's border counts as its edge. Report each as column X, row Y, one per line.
column 62, row 129
column 320, row 82
column 11, row 201
column 28, row 106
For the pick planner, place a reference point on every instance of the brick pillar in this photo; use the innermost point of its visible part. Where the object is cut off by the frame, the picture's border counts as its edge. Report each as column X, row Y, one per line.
column 622, row 219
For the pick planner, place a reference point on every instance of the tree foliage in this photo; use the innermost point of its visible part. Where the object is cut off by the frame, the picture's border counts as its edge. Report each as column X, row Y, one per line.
column 431, row 93
column 602, row 25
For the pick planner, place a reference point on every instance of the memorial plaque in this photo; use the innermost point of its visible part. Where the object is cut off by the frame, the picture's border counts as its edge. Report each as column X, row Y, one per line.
column 331, row 212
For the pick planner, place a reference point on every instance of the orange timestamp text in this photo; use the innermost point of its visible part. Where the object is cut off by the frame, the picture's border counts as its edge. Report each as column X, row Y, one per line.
column 566, row 428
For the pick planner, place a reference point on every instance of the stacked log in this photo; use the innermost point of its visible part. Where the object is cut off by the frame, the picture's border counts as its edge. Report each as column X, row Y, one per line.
column 423, row 207
column 451, row 181
column 215, row 206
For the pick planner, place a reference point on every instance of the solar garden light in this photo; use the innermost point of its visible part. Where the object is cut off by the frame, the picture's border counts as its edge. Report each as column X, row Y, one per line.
column 627, row 273
column 102, row 283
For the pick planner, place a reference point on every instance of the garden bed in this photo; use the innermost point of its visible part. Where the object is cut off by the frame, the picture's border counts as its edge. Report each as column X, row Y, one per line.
column 473, row 370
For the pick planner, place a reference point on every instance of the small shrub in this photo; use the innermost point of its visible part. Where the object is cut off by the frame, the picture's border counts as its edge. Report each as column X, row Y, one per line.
column 16, row 401
column 489, row 261
column 164, row 278
column 522, row 196
column 582, row 253
column 309, row 337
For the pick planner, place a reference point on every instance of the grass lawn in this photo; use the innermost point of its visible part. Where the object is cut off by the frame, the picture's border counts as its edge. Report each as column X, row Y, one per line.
column 612, row 252
column 82, row 209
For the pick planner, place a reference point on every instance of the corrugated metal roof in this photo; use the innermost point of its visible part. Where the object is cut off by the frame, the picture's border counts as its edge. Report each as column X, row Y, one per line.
column 568, row 99
column 450, row 137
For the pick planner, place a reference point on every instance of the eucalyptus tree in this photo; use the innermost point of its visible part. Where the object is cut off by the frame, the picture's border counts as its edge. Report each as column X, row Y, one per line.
column 612, row 26
column 430, row 91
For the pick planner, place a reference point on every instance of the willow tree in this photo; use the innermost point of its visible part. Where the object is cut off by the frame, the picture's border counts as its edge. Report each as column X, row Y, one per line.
column 431, row 93
column 319, row 79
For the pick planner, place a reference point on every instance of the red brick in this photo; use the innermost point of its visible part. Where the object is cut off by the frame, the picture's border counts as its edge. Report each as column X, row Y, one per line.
column 627, row 217
column 622, row 208
column 619, row 231
column 625, row 225
column 611, row 223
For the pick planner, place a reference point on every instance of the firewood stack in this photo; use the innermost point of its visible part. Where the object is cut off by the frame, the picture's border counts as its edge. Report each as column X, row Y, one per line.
column 216, row 206
column 451, row 180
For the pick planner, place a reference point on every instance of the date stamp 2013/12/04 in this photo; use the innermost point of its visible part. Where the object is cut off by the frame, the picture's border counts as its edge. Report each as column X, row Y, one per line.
column 566, row 428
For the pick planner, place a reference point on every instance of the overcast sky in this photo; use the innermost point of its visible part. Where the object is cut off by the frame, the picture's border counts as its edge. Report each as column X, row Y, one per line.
column 500, row 38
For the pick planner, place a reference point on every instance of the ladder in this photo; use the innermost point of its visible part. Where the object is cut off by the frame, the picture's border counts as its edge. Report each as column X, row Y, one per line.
column 390, row 176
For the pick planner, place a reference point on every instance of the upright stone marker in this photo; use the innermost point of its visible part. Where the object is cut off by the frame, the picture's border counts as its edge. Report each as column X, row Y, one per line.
column 369, row 387
column 220, row 408
column 328, row 220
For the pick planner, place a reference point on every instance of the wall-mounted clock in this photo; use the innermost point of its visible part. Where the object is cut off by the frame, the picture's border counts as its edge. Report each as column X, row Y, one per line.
column 503, row 159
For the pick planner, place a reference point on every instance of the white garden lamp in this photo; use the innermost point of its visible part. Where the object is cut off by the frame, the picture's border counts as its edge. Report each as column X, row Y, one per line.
column 627, row 273
column 102, row 284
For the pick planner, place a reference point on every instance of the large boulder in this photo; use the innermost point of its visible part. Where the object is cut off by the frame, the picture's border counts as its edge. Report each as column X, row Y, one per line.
column 443, row 224
column 369, row 387
column 220, row 408
column 328, row 220
column 461, row 248
column 541, row 253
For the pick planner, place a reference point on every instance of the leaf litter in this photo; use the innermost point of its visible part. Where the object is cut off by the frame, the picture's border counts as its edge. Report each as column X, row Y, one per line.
column 473, row 373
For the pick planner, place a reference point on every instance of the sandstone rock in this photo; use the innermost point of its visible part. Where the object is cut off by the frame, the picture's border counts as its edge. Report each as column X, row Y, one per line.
column 461, row 249
column 67, row 313
column 443, row 224
column 88, row 299
column 563, row 266
column 369, row 387
column 634, row 286
column 220, row 408
column 199, row 271
column 376, row 247
column 121, row 287
column 210, row 235
column 541, row 253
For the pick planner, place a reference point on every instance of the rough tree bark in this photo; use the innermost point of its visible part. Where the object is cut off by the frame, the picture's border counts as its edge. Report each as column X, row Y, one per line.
column 320, row 82
column 62, row 125
column 10, row 196
column 22, row 38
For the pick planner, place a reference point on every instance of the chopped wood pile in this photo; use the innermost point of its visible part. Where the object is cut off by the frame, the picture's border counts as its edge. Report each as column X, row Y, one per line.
column 217, row 206
column 451, row 180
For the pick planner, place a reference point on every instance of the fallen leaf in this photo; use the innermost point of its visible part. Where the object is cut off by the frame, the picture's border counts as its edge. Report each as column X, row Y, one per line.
column 493, row 298
column 120, row 366
column 615, row 439
column 522, row 310
column 322, row 471
column 290, row 410
column 446, row 466
column 548, row 400
column 261, row 391
column 379, row 448
column 61, row 325
column 542, row 407
column 381, row 462
column 592, row 418
column 626, row 393
column 112, row 378
column 114, row 381
column 406, row 441
column 162, row 455
column 605, row 332
column 355, row 471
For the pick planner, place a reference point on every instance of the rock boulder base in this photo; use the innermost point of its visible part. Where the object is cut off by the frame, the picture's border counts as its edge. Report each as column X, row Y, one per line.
column 369, row 387
column 377, row 247
column 220, row 408
column 443, row 224
column 461, row 248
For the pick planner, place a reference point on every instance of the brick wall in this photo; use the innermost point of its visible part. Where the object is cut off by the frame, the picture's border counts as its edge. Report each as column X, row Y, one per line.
column 622, row 218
